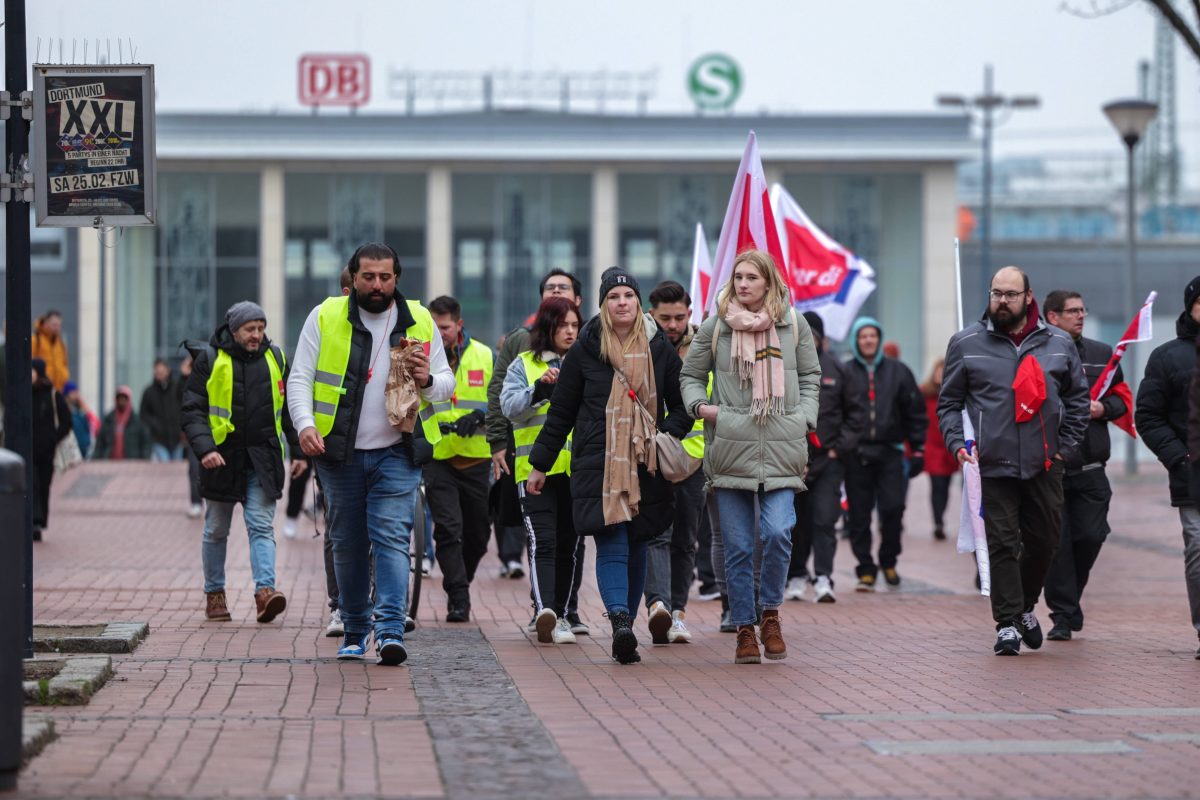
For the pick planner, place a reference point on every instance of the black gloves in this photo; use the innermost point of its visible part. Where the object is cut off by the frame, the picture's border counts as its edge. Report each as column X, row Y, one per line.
column 542, row 391
column 916, row 464
column 466, row 426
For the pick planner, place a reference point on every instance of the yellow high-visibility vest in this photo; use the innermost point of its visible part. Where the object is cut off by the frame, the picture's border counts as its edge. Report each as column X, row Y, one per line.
column 471, row 380
column 525, row 433
column 220, row 395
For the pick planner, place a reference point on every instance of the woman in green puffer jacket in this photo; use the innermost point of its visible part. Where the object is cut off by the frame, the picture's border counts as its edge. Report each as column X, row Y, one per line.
column 766, row 380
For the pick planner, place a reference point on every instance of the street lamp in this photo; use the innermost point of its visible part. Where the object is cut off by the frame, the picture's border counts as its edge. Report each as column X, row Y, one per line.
column 1130, row 118
column 987, row 104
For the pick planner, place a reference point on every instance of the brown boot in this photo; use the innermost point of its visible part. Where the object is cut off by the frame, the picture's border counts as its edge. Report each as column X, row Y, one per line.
column 270, row 603
column 747, row 646
column 772, row 635
column 214, row 606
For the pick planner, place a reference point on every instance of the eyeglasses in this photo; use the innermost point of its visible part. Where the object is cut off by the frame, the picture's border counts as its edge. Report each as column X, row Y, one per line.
column 996, row 294
column 1075, row 312
column 558, row 287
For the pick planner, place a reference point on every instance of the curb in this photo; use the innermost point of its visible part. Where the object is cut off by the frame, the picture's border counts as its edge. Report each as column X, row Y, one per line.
column 116, row 637
column 72, row 684
column 37, row 731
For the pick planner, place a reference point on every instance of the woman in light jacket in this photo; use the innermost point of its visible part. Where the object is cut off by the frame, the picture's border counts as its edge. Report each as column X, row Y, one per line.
column 763, row 406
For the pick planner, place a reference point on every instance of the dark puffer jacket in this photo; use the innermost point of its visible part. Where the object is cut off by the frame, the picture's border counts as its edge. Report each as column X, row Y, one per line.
column 1097, row 444
column 253, row 443
column 578, row 402
column 843, row 414
column 895, row 408
column 1161, row 409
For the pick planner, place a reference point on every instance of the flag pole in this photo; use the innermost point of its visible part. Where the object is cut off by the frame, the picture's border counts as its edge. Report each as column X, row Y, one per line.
column 958, row 283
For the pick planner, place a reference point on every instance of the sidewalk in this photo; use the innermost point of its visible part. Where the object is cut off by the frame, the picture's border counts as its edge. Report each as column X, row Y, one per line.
column 895, row 694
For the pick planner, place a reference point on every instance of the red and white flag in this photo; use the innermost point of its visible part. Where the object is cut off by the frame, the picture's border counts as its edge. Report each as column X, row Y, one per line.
column 749, row 222
column 824, row 276
column 1139, row 330
column 702, row 275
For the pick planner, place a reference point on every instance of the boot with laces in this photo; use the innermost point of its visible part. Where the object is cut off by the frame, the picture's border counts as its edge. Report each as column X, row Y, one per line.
column 215, row 607
column 624, row 642
column 269, row 603
column 747, row 646
column 772, row 635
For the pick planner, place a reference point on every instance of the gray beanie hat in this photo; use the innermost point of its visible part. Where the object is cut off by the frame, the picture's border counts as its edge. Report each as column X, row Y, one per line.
column 242, row 312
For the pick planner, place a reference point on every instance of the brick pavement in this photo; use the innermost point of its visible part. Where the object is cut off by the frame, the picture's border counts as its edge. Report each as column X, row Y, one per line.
column 887, row 695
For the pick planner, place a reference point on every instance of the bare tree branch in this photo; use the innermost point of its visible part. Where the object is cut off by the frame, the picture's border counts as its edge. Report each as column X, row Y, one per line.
column 1179, row 24
column 1196, row 9
column 1095, row 8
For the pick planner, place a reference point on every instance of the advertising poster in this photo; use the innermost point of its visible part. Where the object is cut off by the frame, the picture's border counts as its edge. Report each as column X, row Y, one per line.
column 94, row 144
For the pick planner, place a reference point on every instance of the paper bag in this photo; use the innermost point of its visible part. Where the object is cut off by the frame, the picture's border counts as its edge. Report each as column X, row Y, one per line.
column 402, row 395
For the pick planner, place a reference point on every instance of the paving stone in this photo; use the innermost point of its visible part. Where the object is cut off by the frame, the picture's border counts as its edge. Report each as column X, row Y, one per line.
column 1192, row 738
column 111, row 637
column 66, row 681
column 1135, row 712
column 999, row 747
column 937, row 716
column 37, row 731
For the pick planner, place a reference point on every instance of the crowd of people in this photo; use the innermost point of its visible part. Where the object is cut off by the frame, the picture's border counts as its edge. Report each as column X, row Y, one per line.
column 728, row 452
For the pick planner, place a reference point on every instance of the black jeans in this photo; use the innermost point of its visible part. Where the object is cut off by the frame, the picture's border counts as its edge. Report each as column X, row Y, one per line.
column 43, row 476
column 817, row 512
column 1023, row 521
column 1084, row 529
column 554, row 546
column 939, row 497
column 510, row 536
column 671, row 556
column 458, row 503
column 295, row 493
column 193, row 476
column 877, row 481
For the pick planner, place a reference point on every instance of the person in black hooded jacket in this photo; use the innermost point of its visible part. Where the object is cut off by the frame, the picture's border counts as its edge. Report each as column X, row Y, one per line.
column 51, row 424
column 237, row 423
column 1161, row 417
column 584, row 397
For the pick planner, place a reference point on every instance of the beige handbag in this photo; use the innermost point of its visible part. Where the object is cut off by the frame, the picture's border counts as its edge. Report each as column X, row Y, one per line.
column 674, row 463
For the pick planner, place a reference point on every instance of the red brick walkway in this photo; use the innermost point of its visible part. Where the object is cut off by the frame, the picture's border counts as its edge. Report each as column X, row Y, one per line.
column 876, row 697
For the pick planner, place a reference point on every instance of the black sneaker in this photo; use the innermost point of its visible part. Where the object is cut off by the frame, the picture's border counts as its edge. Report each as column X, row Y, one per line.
column 578, row 626
column 1059, row 633
column 1031, row 632
column 727, row 625
column 1008, row 640
column 624, row 642
column 458, row 614
column 939, row 533
column 390, row 649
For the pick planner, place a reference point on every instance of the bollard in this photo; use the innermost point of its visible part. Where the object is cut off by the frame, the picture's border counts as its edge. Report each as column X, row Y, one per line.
column 12, row 633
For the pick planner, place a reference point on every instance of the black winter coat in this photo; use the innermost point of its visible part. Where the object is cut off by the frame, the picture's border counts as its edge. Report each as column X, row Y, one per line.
column 578, row 403
column 842, row 416
column 1097, row 444
column 1161, row 409
column 253, row 443
column 161, row 412
column 46, row 432
column 897, row 413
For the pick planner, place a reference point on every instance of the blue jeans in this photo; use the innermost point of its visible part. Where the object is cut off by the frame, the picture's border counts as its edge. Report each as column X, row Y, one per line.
column 620, row 570
column 259, row 513
column 777, row 515
column 160, row 452
column 371, row 501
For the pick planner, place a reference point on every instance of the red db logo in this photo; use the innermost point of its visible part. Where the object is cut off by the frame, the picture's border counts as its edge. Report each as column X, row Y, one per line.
column 335, row 79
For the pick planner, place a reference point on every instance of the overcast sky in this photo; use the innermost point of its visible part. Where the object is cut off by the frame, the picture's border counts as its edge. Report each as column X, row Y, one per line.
column 797, row 56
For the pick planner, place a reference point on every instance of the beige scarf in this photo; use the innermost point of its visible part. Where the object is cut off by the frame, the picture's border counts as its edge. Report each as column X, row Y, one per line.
column 630, row 437
column 757, row 357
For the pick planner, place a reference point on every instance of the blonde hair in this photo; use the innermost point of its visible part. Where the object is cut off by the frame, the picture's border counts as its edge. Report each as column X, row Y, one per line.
column 609, row 341
column 778, row 298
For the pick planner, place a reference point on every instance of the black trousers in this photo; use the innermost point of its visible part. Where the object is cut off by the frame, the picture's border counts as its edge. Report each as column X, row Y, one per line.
column 705, row 572
column 671, row 556
column 1084, row 529
column 43, row 475
column 510, row 538
column 878, row 483
column 939, row 497
column 1023, row 521
column 193, row 475
column 817, row 512
column 556, row 550
column 295, row 493
column 458, row 503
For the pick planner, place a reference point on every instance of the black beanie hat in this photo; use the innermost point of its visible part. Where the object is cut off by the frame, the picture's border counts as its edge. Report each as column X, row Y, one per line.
column 614, row 277
column 1191, row 293
column 815, row 322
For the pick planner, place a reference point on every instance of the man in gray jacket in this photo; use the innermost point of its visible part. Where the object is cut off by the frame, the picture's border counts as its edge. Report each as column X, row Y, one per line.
column 1020, row 460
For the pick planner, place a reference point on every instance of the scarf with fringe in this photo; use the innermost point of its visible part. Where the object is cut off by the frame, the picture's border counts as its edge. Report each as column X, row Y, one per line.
column 630, row 432
column 757, row 357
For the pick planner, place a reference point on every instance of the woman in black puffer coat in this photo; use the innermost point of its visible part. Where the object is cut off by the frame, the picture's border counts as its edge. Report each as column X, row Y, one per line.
column 584, row 391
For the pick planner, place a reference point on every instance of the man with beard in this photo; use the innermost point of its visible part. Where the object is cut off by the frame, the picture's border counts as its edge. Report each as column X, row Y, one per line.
column 1022, row 385
column 337, row 397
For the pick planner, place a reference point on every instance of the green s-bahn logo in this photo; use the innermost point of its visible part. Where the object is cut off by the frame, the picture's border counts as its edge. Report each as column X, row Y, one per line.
column 714, row 82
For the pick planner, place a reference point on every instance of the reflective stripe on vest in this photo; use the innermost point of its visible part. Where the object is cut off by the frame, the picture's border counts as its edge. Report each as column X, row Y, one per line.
column 525, row 433
column 470, row 394
column 333, row 321
column 220, row 396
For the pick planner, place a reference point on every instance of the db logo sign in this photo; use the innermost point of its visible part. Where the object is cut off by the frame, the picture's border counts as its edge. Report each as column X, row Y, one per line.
column 335, row 80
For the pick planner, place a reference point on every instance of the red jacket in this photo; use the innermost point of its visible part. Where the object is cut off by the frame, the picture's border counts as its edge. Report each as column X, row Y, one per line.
column 938, row 460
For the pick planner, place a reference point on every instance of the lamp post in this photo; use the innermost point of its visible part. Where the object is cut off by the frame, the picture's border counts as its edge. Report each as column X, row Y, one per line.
column 987, row 104
column 1130, row 118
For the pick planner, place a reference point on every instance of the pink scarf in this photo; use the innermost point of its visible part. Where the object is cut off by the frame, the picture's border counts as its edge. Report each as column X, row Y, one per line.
column 756, row 356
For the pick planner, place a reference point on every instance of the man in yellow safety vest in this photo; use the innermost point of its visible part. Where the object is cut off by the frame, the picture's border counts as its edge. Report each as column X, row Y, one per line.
column 337, row 396
column 236, row 422
column 456, row 481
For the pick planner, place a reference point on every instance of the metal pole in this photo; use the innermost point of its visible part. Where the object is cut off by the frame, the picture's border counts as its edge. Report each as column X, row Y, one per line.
column 103, row 338
column 985, row 243
column 1131, row 466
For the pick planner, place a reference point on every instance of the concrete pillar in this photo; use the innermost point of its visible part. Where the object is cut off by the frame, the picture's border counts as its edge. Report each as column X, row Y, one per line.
column 271, row 236
column 88, row 341
column 939, row 210
column 605, row 236
column 439, row 233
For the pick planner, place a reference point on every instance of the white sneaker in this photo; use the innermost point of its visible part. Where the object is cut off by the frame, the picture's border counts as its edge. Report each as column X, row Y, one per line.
column 795, row 589
column 679, row 632
column 562, row 632
column 545, row 623
column 515, row 570
column 335, row 627
column 289, row 528
column 195, row 510
column 426, row 565
column 823, row 590
column 659, row 622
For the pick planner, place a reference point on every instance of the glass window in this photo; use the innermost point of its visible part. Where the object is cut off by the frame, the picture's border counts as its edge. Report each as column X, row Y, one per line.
column 657, row 221
column 327, row 217
column 509, row 230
